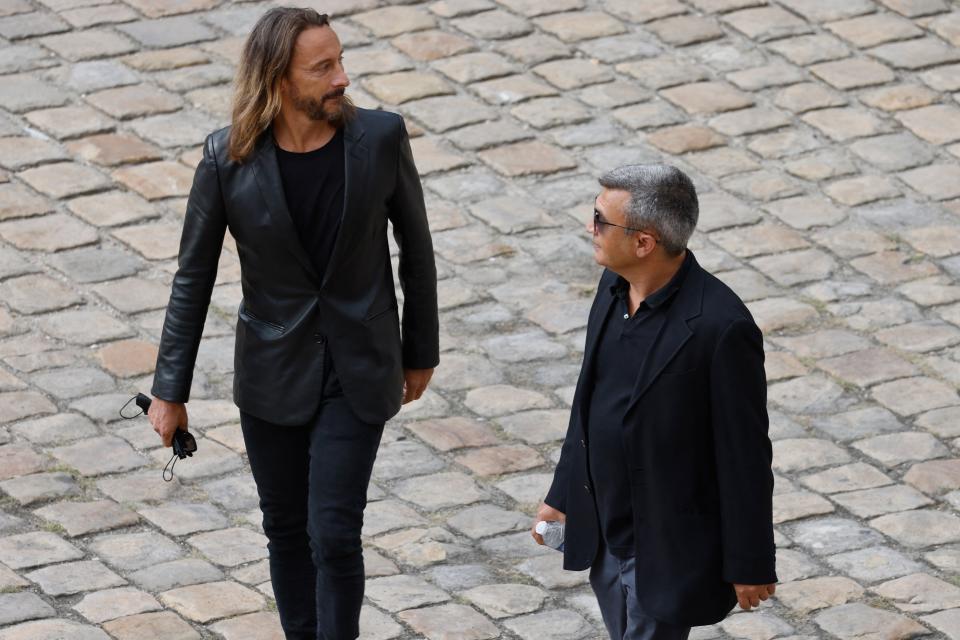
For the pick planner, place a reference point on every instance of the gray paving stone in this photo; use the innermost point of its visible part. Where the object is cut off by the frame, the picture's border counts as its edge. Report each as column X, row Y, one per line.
column 75, row 577
column 805, row 596
column 395, row 593
column 115, row 603
column 858, row 620
column 81, row 518
column 928, row 393
column 870, row 30
column 921, row 336
column 793, row 565
column 98, row 456
column 132, row 551
column 233, row 492
column 34, row 549
column 805, row 453
column 206, row 602
column 178, row 573
column 178, row 519
column 874, row 564
column 873, row 502
column 439, row 490
column 230, row 547
column 505, row 600
column 945, row 621
column 766, row 23
column 405, row 458
column 896, row 448
column 19, row 607
column 387, row 515
column 557, row 623
column 25, row 93
column 53, row 629
column 742, row 625
column 449, row 621
column 797, row 505
column 852, row 477
column 486, row 520
column 919, row 528
column 807, row 394
column 167, row 32
column 37, row 487
column 828, row 536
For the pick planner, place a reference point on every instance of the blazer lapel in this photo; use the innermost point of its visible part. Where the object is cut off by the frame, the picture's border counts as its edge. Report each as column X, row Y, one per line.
column 267, row 171
column 355, row 167
column 675, row 332
column 598, row 318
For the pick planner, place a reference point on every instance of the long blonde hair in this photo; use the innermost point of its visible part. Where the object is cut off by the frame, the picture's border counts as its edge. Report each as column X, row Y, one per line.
column 263, row 64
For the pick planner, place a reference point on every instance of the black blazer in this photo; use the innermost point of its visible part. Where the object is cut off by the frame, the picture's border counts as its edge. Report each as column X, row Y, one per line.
column 698, row 457
column 288, row 317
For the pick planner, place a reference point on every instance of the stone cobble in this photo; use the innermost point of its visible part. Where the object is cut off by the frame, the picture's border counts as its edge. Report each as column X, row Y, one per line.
column 822, row 137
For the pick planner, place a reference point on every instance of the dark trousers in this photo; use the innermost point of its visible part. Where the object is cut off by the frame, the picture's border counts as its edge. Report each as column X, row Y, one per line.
column 614, row 581
column 312, row 481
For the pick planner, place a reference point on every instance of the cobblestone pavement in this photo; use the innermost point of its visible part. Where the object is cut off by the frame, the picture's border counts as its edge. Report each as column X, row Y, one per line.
column 823, row 135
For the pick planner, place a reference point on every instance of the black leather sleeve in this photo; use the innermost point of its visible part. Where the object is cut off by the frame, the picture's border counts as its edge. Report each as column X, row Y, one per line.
column 418, row 271
column 738, row 398
column 200, row 244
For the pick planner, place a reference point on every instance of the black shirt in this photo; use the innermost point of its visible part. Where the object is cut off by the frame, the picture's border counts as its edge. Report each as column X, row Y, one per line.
column 313, row 183
column 623, row 345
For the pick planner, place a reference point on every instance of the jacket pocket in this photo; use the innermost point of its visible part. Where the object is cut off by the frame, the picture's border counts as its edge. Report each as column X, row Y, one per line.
column 273, row 325
column 373, row 316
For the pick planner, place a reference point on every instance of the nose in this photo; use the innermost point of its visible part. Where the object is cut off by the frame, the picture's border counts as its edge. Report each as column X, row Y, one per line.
column 341, row 79
column 591, row 227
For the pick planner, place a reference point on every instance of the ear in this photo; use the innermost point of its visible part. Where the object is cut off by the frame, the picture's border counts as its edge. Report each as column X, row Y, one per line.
column 644, row 244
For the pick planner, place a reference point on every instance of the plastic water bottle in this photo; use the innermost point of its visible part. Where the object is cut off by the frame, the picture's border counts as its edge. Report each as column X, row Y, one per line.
column 552, row 533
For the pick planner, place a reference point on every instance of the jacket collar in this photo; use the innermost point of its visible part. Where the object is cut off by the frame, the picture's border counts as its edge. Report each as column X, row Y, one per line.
column 686, row 305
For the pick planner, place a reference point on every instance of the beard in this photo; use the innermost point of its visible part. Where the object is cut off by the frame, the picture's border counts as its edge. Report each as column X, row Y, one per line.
column 318, row 110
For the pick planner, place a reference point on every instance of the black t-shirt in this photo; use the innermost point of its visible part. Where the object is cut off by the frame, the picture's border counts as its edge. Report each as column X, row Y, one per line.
column 623, row 345
column 313, row 183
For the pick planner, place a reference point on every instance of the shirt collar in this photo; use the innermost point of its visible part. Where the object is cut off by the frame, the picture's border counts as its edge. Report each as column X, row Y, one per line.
column 663, row 294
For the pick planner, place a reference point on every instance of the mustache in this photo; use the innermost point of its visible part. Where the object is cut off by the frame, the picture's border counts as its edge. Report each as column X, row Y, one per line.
column 337, row 93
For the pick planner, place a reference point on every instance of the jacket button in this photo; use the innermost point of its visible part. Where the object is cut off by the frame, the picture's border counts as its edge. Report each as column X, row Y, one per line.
column 586, row 488
column 583, row 443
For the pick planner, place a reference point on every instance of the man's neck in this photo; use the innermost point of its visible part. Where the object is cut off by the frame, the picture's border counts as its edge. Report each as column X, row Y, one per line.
column 294, row 131
column 650, row 277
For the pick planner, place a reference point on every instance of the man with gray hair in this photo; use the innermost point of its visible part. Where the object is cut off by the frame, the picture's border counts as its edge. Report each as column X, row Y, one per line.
column 664, row 479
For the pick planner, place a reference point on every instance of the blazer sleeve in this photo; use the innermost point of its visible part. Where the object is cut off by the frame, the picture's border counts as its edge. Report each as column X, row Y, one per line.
column 743, row 452
column 557, row 494
column 204, row 226
column 417, row 270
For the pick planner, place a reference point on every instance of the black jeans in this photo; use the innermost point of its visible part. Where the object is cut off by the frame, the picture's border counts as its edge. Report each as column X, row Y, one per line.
column 312, row 480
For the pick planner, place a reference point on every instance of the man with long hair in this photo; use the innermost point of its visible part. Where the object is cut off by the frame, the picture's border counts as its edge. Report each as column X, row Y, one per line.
column 306, row 183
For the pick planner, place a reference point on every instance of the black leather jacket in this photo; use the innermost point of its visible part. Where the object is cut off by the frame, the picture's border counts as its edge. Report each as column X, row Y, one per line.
column 288, row 317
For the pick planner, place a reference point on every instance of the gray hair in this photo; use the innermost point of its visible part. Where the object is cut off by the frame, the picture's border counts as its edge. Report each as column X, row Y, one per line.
column 662, row 198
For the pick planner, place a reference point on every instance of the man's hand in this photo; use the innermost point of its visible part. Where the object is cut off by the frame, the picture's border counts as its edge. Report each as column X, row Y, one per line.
column 415, row 382
column 547, row 514
column 166, row 418
column 750, row 595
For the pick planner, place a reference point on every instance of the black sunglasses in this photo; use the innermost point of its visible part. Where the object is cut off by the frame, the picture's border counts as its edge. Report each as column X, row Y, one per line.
column 597, row 220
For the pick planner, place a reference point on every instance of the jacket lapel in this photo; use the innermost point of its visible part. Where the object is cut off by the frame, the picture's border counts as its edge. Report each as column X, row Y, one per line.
column 598, row 318
column 356, row 156
column 267, row 171
column 675, row 332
